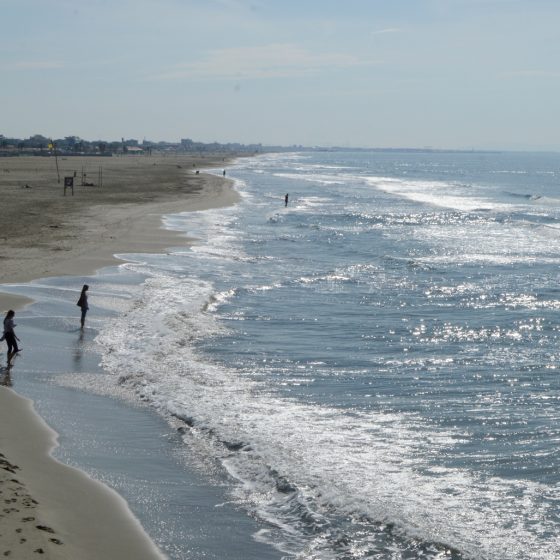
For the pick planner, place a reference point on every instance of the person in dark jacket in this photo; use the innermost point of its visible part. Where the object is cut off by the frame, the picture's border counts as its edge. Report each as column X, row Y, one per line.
column 83, row 304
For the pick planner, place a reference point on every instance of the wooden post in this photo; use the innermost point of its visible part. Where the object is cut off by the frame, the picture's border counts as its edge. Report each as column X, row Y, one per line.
column 56, row 160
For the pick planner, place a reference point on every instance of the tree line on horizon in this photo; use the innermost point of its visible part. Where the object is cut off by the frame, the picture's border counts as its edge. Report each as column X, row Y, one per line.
column 74, row 145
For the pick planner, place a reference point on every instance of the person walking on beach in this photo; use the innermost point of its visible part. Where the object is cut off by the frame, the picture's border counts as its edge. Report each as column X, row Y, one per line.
column 286, row 200
column 10, row 335
column 83, row 304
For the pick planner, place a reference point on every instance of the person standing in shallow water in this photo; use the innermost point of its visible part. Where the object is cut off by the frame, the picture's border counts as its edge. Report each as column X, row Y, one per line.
column 10, row 335
column 286, row 200
column 83, row 304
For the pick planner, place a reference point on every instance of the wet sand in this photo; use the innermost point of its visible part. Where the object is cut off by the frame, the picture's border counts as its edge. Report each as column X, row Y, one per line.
column 51, row 510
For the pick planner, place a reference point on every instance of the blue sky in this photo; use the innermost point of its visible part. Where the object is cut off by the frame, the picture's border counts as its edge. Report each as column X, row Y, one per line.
column 377, row 73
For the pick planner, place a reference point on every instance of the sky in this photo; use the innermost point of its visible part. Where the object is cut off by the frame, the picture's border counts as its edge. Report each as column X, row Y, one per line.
column 459, row 74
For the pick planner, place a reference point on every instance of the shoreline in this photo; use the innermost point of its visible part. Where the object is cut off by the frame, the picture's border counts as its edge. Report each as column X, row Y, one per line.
column 83, row 237
column 42, row 494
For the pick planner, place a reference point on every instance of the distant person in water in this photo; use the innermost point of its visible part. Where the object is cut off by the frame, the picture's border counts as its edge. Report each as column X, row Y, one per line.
column 286, row 200
column 83, row 304
column 10, row 336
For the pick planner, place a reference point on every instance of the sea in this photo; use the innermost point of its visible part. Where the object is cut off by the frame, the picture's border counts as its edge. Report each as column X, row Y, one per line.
column 368, row 371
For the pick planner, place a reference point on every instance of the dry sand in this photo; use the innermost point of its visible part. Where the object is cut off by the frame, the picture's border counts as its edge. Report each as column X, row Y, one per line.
column 50, row 510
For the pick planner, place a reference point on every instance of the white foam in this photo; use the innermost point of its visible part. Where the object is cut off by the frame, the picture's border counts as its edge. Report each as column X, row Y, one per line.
column 322, row 179
column 365, row 463
column 435, row 193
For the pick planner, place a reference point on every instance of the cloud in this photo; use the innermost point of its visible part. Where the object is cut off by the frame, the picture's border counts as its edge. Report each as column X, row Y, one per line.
column 268, row 61
column 385, row 31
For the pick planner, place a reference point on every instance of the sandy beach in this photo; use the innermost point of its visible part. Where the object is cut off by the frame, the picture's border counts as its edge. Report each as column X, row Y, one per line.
column 50, row 509
column 45, row 232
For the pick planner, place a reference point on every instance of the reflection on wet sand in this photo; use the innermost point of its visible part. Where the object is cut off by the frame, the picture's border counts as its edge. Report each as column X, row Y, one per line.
column 79, row 348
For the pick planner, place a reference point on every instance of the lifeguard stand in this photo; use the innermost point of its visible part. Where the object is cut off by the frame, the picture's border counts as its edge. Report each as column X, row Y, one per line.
column 68, row 184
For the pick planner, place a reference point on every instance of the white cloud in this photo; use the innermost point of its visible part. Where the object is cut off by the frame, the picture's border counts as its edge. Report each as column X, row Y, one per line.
column 268, row 61
column 386, row 31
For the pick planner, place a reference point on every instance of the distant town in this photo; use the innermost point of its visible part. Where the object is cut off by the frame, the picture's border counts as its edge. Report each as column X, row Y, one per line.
column 39, row 145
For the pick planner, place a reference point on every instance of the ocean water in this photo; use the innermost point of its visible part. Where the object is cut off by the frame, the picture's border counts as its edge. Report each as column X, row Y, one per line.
column 369, row 372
